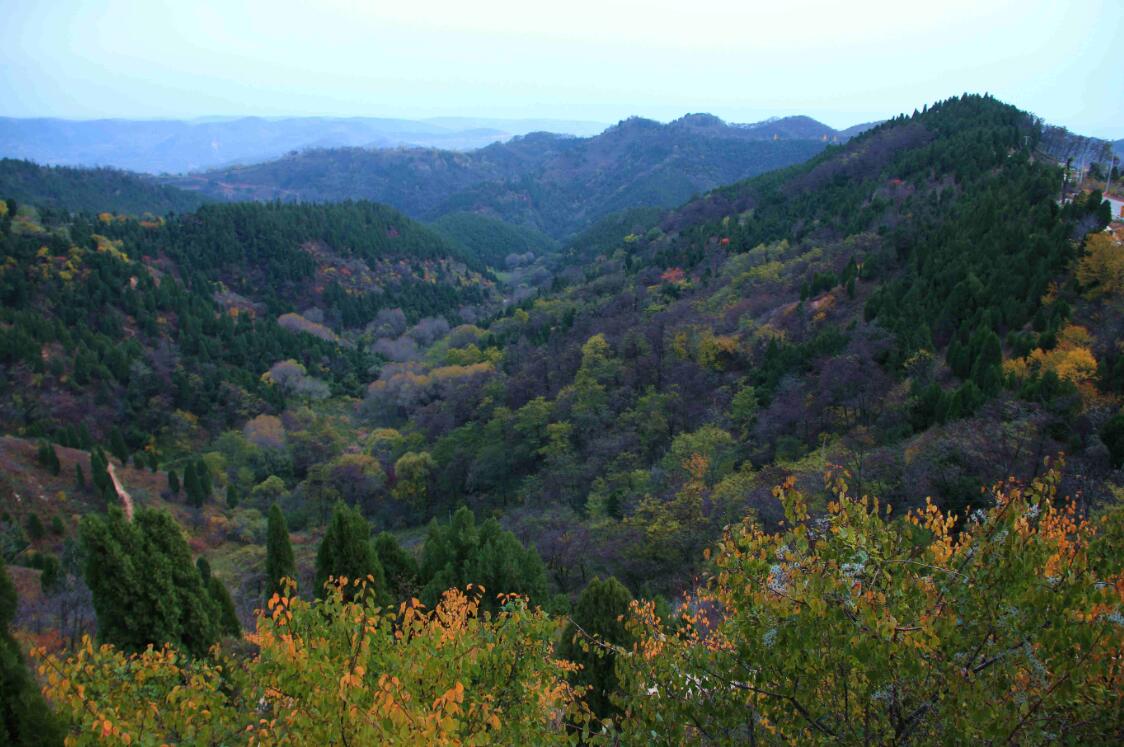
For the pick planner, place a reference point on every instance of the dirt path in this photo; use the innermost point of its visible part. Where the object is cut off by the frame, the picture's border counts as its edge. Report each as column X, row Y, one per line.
column 126, row 499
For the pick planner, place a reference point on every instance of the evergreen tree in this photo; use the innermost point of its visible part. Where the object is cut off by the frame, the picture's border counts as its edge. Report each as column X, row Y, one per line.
column 279, row 562
column 192, row 486
column 145, row 588
column 346, row 550
column 173, row 482
column 460, row 553
column 1112, row 434
column 203, row 473
column 25, row 718
column 231, row 496
column 35, row 528
column 599, row 615
column 79, row 476
column 399, row 566
column 118, row 448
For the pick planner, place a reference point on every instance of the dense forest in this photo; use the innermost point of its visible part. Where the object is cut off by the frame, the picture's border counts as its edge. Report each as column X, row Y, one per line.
column 829, row 455
column 91, row 190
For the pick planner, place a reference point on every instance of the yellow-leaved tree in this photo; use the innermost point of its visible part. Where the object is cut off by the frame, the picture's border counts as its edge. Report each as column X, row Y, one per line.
column 337, row 672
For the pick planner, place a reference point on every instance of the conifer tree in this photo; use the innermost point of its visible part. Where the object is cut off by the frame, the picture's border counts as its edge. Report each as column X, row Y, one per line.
column 279, row 562
column 173, row 482
column 118, row 448
column 79, row 477
column 399, row 566
column 145, row 588
column 24, row 716
column 203, row 473
column 346, row 550
column 596, row 626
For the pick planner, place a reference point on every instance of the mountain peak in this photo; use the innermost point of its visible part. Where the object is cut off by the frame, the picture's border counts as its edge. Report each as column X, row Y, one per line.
column 699, row 120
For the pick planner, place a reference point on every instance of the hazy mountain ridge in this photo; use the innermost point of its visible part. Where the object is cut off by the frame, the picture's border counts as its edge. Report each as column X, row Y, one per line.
column 176, row 146
column 554, row 183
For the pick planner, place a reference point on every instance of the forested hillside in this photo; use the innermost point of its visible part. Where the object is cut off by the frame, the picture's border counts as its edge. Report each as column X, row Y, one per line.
column 151, row 325
column 637, row 504
column 553, row 183
column 91, row 190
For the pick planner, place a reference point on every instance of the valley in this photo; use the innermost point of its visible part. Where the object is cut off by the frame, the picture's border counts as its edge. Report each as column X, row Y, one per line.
column 706, row 396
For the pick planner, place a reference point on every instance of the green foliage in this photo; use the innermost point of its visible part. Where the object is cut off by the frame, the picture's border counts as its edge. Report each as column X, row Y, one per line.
column 279, row 563
column 923, row 630
column 91, row 190
column 35, row 529
column 1113, row 436
column 347, row 552
column 461, row 553
column 400, row 567
column 490, row 240
column 596, row 631
column 24, row 716
column 227, row 620
column 145, row 588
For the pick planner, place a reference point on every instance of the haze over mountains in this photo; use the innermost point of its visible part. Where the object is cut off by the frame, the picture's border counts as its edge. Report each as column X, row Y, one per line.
column 174, row 146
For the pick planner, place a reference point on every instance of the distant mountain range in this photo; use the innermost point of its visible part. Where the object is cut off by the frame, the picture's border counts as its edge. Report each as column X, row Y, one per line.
column 557, row 184
column 176, row 146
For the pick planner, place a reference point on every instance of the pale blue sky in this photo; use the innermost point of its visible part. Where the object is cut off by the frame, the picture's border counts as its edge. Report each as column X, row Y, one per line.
column 841, row 62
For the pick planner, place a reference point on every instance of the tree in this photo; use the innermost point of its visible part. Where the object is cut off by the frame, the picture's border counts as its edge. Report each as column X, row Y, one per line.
column 460, row 553
column 366, row 675
column 118, row 447
column 279, row 563
column 227, row 620
column 145, row 588
column 173, row 482
column 399, row 566
column 35, row 529
column 231, row 495
column 861, row 628
column 79, row 476
column 24, row 716
column 1101, row 269
column 412, row 473
column 596, row 631
column 346, row 552
column 1113, row 436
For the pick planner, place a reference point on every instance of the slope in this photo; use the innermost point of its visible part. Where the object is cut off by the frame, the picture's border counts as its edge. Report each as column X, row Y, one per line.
column 91, row 190
column 555, row 184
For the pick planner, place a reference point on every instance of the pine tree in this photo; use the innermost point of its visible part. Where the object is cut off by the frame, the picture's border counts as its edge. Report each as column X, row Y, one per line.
column 203, row 472
column 118, row 447
column 173, row 482
column 346, row 551
column 24, row 715
column 145, row 588
column 599, row 615
column 192, row 486
column 399, row 566
column 279, row 562
column 79, row 477
column 226, row 620
column 231, row 495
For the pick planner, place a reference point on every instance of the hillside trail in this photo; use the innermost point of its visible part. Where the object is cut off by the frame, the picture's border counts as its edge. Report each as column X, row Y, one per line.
column 126, row 499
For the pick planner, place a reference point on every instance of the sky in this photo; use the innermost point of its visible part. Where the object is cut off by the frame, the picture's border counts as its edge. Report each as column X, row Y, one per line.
column 599, row 60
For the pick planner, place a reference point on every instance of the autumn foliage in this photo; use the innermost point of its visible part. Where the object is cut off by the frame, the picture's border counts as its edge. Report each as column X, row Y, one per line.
column 861, row 629
column 333, row 671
